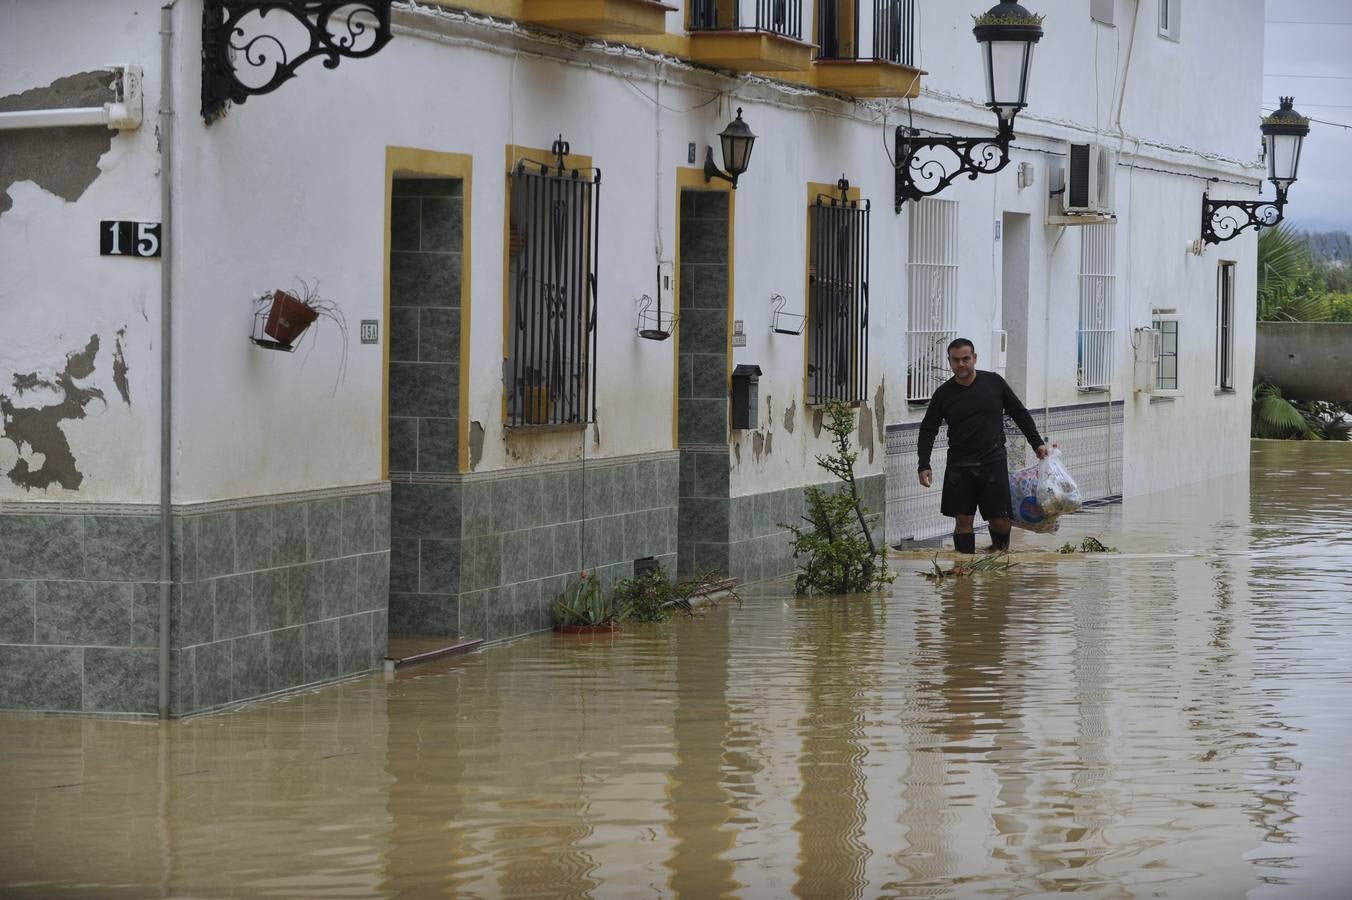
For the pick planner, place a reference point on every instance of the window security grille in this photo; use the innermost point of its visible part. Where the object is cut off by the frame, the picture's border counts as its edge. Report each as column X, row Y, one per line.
column 1097, row 315
column 891, row 23
column 776, row 16
column 932, row 270
column 554, row 229
column 1225, row 326
column 838, row 298
column 1167, row 377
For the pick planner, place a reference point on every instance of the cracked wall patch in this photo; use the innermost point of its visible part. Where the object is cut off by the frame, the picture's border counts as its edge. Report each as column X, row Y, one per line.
column 120, row 367
column 63, row 161
column 39, row 427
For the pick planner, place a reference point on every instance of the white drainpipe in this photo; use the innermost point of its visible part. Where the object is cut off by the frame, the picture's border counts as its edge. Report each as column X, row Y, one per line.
column 124, row 114
column 166, row 342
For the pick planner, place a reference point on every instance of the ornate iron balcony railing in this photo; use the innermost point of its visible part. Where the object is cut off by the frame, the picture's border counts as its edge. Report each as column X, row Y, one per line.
column 782, row 17
column 888, row 29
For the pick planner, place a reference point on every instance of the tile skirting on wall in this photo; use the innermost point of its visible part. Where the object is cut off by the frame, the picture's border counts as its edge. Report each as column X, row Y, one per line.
column 270, row 593
column 484, row 554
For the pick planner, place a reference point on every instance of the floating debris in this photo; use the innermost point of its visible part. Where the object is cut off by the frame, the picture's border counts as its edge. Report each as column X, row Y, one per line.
column 991, row 562
column 1088, row 545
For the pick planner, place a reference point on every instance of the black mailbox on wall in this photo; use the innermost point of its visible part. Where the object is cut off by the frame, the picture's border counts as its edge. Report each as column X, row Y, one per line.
column 745, row 388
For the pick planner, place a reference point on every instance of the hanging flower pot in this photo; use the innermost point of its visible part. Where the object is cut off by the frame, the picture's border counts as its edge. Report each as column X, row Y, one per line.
column 288, row 318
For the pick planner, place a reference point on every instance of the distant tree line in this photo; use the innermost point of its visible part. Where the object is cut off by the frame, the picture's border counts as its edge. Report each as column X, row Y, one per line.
column 1304, row 277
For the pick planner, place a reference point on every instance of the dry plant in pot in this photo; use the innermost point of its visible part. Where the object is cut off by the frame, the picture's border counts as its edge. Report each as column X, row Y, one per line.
column 286, row 317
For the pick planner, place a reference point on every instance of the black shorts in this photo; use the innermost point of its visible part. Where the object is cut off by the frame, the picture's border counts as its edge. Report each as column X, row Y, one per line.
column 968, row 487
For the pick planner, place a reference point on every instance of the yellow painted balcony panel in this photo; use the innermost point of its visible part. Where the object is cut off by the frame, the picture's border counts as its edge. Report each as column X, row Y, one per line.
column 867, row 77
column 599, row 16
column 750, row 51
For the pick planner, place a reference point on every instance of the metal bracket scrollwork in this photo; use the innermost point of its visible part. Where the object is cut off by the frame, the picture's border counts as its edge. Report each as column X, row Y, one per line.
column 925, row 166
column 1224, row 219
column 245, row 51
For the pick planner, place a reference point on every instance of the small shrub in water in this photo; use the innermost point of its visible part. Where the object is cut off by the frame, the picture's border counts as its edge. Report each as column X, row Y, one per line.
column 836, row 553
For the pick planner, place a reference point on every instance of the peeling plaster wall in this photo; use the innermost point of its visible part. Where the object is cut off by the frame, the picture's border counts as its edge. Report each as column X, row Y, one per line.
column 59, row 297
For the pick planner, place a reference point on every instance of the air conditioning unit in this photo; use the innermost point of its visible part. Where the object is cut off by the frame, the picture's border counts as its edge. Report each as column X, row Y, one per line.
column 1145, row 343
column 1089, row 179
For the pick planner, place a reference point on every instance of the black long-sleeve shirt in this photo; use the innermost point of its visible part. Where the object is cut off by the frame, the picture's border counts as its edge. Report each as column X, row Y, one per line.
column 975, row 414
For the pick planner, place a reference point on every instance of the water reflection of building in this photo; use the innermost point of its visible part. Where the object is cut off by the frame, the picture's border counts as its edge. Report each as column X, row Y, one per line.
column 698, row 800
column 842, row 641
column 974, row 781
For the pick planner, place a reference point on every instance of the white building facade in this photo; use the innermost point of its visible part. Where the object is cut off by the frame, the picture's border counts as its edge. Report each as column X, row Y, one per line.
column 191, row 516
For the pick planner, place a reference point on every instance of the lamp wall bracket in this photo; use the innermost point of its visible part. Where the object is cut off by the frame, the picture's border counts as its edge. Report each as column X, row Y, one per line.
column 712, row 171
column 246, row 52
column 922, row 172
column 1225, row 219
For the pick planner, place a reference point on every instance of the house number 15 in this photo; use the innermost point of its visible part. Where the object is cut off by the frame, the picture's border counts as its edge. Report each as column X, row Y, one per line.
column 120, row 238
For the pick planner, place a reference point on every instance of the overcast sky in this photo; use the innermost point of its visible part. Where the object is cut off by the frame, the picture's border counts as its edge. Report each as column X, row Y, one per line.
column 1321, row 200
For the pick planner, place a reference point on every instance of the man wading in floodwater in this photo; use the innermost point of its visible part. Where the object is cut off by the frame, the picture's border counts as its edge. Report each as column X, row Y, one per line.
column 974, row 404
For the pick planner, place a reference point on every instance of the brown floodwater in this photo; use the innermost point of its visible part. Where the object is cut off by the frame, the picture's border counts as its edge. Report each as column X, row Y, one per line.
column 1169, row 721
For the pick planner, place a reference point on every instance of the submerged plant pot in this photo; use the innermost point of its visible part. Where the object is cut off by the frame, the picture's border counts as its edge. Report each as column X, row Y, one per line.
column 288, row 318
column 608, row 628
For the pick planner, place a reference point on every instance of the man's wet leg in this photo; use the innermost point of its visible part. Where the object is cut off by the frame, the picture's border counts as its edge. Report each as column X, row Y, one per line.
column 1000, row 534
column 964, row 541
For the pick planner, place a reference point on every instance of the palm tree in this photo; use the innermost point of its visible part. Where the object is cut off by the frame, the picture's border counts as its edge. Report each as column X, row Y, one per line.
column 1274, row 417
column 1284, row 269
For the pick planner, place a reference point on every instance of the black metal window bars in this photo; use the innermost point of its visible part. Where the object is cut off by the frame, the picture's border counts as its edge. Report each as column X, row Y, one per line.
column 784, row 17
column 894, row 25
column 554, row 233
column 838, row 266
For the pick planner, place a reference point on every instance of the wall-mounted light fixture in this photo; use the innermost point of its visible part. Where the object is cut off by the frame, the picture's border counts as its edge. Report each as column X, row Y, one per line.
column 737, row 141
column 1283, row 133
column 1006, row 33
column 243, row 56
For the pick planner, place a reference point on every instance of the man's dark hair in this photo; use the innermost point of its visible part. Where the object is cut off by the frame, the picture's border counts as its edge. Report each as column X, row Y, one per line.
column 961, row 342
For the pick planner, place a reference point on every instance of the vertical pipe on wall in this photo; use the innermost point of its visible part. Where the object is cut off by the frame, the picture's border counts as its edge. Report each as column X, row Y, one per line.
column 166, row 344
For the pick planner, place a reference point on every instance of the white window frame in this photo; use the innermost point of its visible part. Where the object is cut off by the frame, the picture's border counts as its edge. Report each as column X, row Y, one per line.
column 1094, row 370
column 1158, row 317
column 932, row 298
column 1225, row 327
column 1170, row 19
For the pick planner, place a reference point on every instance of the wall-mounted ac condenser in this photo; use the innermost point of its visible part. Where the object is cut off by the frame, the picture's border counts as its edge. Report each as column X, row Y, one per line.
column 1146, row 356
column 1089, row 179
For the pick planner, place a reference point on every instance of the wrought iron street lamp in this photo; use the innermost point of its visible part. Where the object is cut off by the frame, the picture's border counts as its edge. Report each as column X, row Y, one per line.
column 737, row 141
column 925, row 166
column 1283, row 134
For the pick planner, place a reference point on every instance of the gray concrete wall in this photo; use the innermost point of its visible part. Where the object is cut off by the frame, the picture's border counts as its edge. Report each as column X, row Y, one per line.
column 1307, row 360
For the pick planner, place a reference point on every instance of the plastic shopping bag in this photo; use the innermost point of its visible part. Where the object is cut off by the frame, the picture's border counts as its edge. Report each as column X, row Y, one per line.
column 1026, row 511
column 1057, row 493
